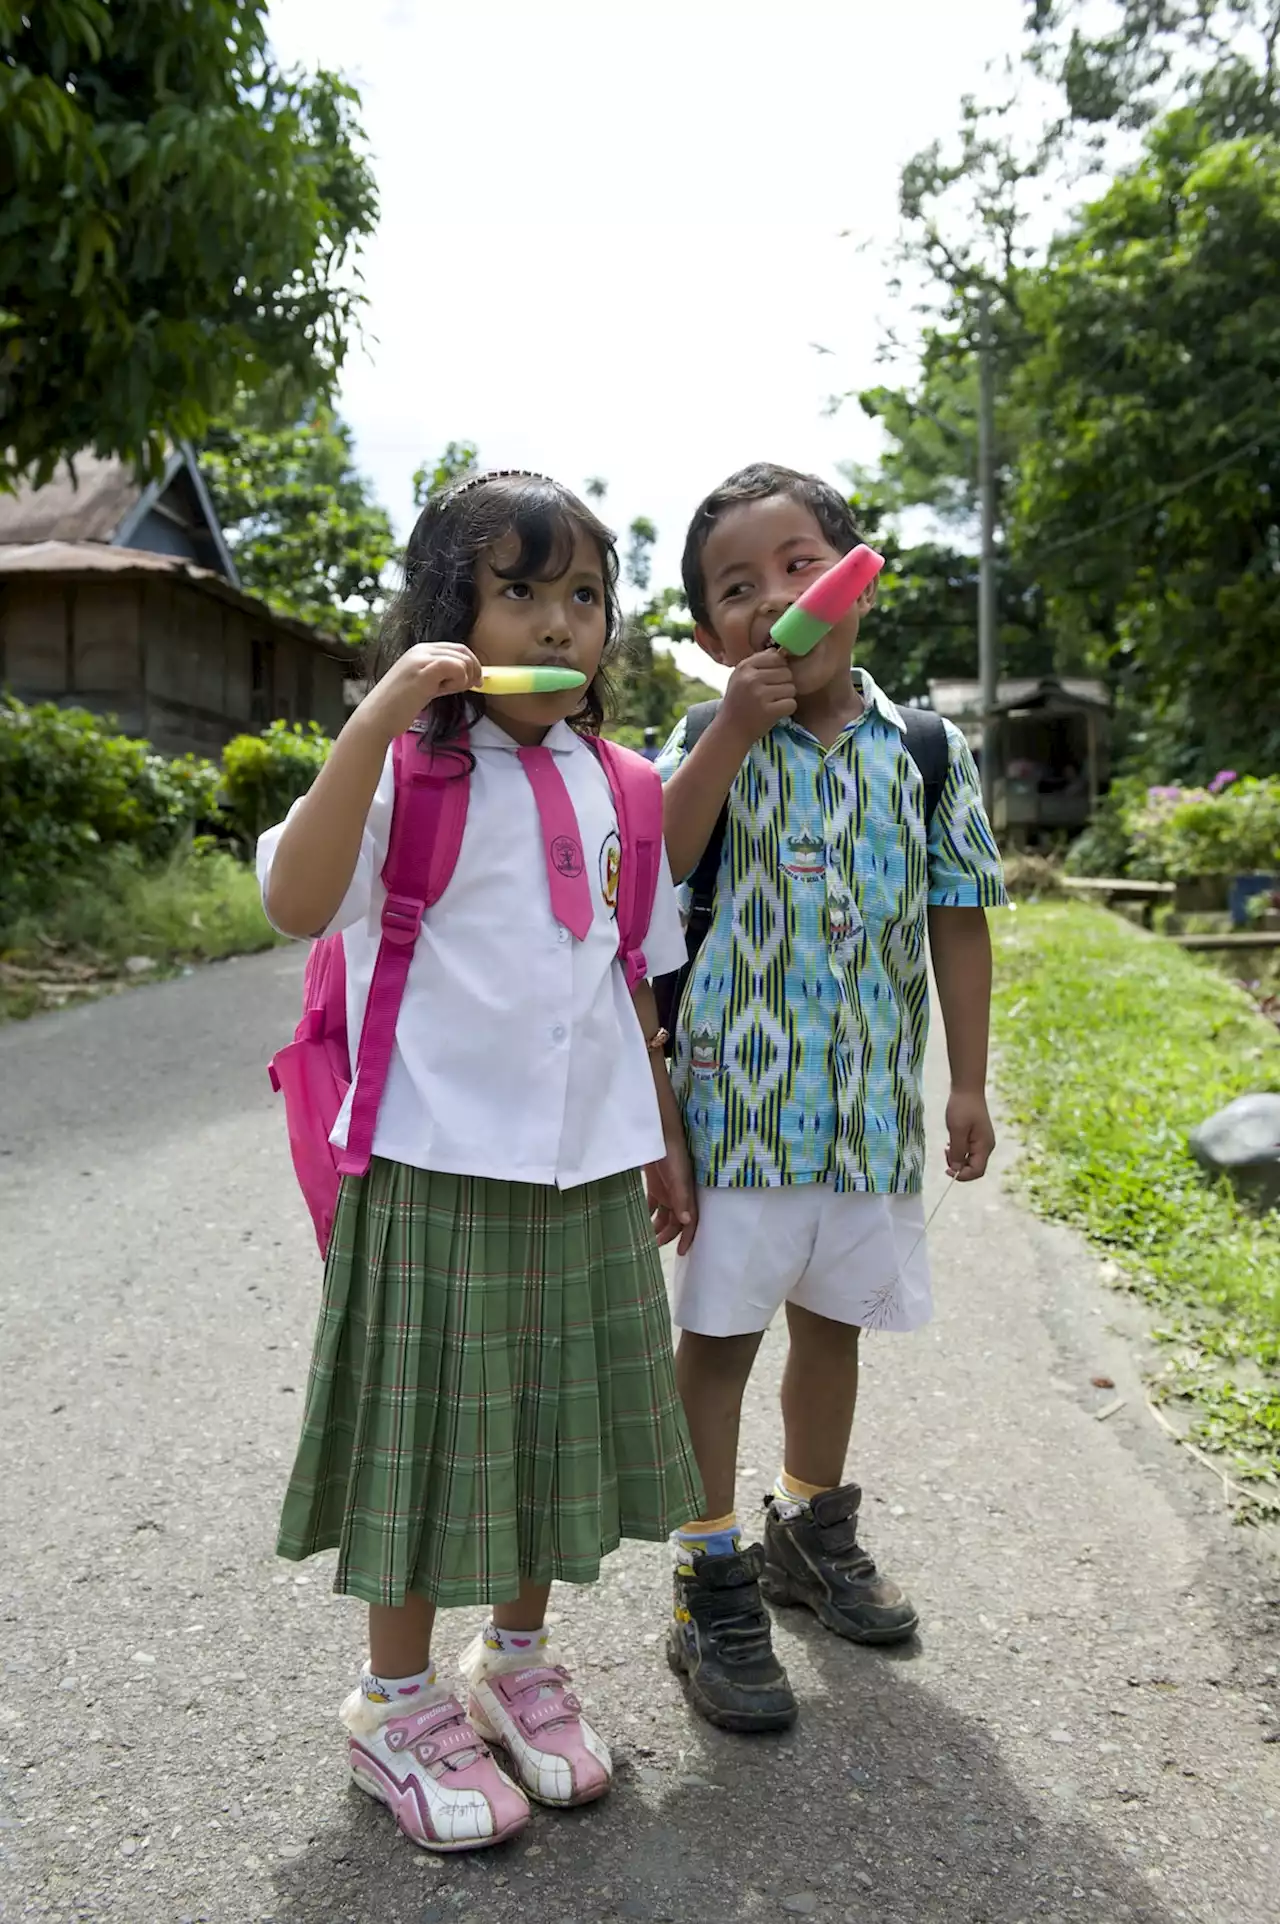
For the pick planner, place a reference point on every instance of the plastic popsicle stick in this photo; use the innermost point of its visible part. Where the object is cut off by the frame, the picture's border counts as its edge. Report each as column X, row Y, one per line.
column 529, row 681
column 828, row 601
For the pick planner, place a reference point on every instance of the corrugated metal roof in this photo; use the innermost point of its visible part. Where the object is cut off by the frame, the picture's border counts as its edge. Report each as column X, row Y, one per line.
column 84, row 559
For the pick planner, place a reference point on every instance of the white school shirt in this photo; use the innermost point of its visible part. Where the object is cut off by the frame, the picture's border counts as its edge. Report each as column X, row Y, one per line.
column 518, row 1054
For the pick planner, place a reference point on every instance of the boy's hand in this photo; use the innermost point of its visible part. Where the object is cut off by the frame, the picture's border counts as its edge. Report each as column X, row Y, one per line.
column 760, row 693
column 422, row 675
column 673, row 1199
column 970, row 1136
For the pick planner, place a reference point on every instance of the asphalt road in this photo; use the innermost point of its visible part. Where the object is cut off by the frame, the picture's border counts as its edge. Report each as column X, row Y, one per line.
column 1078, row 1734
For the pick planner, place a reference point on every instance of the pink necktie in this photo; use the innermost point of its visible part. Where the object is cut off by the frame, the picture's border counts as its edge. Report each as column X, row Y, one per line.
column 571, row 902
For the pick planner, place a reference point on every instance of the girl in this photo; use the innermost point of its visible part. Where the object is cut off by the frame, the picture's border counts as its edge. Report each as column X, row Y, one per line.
column 491, row 1402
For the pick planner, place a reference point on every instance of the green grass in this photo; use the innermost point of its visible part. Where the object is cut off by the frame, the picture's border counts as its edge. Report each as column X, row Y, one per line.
column 198, row 908
column 1112, row 1046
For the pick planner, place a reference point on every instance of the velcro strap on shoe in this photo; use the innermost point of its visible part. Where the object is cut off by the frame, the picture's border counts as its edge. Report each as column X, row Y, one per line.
column 403, row 1733
column 837, row 1506
column 730, row 1573
column 563, row 1708
column 840, row 1539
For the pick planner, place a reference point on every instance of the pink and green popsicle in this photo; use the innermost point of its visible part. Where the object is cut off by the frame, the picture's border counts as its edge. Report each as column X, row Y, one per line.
column 828, row 601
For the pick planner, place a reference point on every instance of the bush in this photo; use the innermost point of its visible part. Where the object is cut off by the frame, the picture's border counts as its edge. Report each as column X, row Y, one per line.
column 1167, row 833
column 263, row 775
column 70, row 788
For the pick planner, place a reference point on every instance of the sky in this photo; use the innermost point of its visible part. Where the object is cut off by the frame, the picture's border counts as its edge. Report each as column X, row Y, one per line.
column 611, row 232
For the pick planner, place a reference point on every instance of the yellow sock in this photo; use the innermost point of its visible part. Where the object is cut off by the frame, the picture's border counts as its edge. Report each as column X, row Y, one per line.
column 792, row 1489
column 716, row 1536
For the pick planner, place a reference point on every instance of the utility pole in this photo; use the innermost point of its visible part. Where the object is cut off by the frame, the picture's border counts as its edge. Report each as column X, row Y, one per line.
column 988, row 673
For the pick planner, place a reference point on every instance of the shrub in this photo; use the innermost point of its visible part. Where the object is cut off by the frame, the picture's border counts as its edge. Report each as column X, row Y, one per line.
column 263, row 775
column 70, row 788
column 1164, row 833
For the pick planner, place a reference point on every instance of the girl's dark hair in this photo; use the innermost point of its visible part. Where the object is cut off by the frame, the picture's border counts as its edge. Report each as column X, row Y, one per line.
column 438, row 600
column 762, row 482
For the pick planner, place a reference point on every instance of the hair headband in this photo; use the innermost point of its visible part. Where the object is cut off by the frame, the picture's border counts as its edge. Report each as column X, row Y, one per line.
column 499, row 474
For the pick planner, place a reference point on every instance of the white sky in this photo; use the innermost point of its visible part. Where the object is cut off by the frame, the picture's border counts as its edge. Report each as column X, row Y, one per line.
column 610, row 231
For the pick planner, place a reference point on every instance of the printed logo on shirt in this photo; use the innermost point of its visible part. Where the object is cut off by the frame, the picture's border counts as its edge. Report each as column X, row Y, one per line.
column 843, row 920
column 808, row 861
column 566, row 853
column 704, row 1052
column 610, row 869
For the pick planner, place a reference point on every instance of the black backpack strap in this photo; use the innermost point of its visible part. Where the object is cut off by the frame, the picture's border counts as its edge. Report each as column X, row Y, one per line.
column 925, row 737
column 702, row 883
column 669, row 989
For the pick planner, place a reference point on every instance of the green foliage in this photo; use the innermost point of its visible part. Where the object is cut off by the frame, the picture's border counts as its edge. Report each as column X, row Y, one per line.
column 197, row 906
column 178, row 215
column 299, row 518
column 264, row 775
column 1113, row 1045
column 459, row 459
column 1146, row 493
column 1135, row 369
column 638, row 567
column 1168, row 833
column 69, row 788
column 1125, row 67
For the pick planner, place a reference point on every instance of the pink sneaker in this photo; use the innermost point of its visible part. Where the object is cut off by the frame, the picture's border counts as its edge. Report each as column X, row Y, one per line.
column 535, row 1716
column 435, row 1775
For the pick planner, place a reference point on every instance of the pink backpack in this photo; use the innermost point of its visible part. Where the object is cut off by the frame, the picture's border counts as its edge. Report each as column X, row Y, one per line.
column 313, row 1072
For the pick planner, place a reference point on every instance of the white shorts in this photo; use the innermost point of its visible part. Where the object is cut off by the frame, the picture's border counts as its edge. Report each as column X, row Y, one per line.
column 853, row 1258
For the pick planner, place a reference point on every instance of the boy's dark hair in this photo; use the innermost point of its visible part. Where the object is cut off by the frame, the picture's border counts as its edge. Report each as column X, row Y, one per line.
column 438, row 599
column 762, row 481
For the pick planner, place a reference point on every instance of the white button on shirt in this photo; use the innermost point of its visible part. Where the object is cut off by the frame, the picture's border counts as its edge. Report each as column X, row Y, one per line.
column 518, row 1053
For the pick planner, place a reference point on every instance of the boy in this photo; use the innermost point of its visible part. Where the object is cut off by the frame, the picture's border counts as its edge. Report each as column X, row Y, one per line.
column 798, row 1059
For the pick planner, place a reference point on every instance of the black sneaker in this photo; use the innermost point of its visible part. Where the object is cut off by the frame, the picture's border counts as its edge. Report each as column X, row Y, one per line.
column 720, row 1644
column 815, row 1559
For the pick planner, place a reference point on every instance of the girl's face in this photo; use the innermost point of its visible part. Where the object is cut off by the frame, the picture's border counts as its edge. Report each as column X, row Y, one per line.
column 539, row 624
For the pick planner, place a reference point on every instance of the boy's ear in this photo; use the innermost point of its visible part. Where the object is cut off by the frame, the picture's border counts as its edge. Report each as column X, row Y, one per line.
column 708, row 643
column 867, row 599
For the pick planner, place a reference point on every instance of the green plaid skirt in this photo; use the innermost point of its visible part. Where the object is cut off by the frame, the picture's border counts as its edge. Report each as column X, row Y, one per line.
column 491, row 1394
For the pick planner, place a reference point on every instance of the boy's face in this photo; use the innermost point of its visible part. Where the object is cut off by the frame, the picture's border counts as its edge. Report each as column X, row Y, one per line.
column 758, row 559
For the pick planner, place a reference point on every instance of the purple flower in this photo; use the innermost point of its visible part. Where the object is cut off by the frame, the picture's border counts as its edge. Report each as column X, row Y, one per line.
column 1223, row 779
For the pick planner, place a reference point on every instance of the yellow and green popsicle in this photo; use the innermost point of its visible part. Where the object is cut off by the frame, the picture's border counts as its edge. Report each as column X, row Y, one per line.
column 828, row 601
column 529, row 681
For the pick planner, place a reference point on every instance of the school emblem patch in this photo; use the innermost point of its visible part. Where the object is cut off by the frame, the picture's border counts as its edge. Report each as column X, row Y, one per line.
column 566, row 854
column 610, row 869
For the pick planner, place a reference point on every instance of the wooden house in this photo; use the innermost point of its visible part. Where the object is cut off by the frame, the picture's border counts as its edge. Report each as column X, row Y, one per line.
column 122, row 597
column 1052, row 751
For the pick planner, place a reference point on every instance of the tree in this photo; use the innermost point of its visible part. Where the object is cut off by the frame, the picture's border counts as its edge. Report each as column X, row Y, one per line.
column 300, row 519
column 180, row 216
column 1150, row 56
column 638, row 568
column 460, row 458
column 1147, row 498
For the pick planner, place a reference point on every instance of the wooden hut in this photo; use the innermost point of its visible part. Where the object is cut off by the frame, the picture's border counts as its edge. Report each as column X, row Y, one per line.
column 1052, row 751
column 123, row 597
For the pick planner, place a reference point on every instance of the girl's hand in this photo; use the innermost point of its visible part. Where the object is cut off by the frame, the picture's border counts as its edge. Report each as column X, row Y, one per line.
column 673, row 1199
column 422, row 675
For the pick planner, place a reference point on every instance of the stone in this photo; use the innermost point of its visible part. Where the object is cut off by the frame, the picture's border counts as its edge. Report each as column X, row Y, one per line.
column 1243, row 1141
column 803, row 1904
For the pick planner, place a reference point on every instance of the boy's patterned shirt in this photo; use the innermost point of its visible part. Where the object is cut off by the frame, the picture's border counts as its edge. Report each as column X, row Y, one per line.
column 800, row 1043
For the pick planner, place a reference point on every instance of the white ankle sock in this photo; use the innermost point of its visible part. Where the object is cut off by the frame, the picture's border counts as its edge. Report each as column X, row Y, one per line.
column 402, row 1692
column 530, row 1644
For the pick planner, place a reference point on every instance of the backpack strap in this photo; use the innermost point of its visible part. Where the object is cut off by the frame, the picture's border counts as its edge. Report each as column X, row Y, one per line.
column 702, row 883
column 428, row 816
column 636, row 788
column 924, row 735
